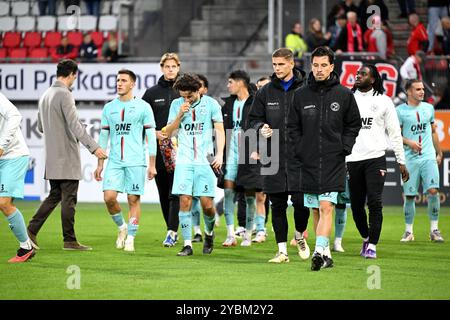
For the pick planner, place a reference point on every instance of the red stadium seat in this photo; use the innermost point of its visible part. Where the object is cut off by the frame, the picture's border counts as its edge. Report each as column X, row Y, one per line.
column 38, row 53
column 75, row 38
column 17, row 53
column 3, row 53
column 52, row 39
column 97, row 37
column 32, row 39
column 12, row 39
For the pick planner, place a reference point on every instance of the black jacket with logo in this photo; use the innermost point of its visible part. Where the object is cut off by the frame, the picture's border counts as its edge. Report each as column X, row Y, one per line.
column 271, row 105
column 160, row 96
column 323, row 126
column 248, row 175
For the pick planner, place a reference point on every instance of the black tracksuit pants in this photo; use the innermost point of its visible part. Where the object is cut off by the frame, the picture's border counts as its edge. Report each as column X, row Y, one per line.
column 170, row 204
column 366, row 182
column 279, row 218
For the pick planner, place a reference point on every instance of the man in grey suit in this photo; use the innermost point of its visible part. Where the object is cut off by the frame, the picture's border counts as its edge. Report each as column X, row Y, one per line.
column 58, row 121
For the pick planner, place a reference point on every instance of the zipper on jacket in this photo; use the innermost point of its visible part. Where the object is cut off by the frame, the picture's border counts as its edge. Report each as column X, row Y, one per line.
column 320, row 139
column 286, row 109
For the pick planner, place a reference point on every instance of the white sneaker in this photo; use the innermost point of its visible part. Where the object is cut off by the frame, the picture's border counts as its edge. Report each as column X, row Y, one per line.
column 260, row 237
column 407, row 237
column 239, row 232
column 230, row 242
column 120, row 242
column 246, row 239
column 129, row 245
column 338, row 247
column 303, row 248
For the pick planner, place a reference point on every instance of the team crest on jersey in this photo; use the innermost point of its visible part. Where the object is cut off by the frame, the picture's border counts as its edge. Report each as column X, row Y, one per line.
column 202, row 110
column 335, row 106
column 182, row 186
column 374, row 108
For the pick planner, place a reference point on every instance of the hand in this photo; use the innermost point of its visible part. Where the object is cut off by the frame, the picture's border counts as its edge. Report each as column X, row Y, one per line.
column 266, row 131
column 160, row 135
column 255, row 156
column 338, row 51
column 184, row 108
column 151, row 173
column 1, row 151
column 98, row 173
column 327, row 35
column 415, row 146
column 438, row 158
column 218, row 161
column 404, row 172
column 100, row 153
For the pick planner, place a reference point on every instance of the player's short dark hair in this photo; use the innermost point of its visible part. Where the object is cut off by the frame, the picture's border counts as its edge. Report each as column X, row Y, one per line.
column 262, row 79
column 283, row 53
column 240, row 75
column 66, row 67
column 187, row 82
column 410, row 82
column 128, row 72
column 323, row 52
column 203, row 79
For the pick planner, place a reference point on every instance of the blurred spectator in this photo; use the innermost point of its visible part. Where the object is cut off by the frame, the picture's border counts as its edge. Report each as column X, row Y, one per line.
column 406, row 8
column 364, row 16
column 437, row 9
column 446, row 32
column 65, row 50
column 389, row 39
column 348, row 5
column 93, row 7
column 351, row 37
column 110, row 54
column 411, row 68
column 336, row 11
column 443, row 100
column 88, row 49
column 295, row 41
column 418, row 38
column 68, row 3
column 315, row 37
column 47, row 7
column 335, row 30
column 376, row 39
column 262, row 82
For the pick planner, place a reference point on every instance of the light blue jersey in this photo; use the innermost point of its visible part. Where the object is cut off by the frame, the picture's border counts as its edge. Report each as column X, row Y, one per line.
column 195, row 134
column 416, row 125
column 238, row 109
column 128, row 124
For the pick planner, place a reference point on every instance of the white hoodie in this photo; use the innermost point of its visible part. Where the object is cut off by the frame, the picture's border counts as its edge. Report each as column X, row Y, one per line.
column 11, row 139
column 378, row 116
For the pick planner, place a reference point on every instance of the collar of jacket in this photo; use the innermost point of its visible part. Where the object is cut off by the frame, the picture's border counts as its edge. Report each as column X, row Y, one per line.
column 166, row 83
column 231, row 98
column 327, row 84
column 299, row 76
column 60, row 84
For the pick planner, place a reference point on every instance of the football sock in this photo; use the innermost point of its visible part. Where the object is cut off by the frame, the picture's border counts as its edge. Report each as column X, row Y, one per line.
column 282, row 248
column 250, row 212
column 321, row 243
column 230, row 230
column 228, row 206
column 410, row 210
column 195, row 210
column 118, row 219
column 372, row 247
column 433, row 210
column 209, row 224
column 133, row 225
column 340, row 221
column 327, row 252
column 17, row 226
column 260, row 219
column 186, row 224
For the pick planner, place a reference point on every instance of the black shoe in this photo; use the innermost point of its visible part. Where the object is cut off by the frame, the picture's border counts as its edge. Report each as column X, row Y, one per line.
column 32, row 237
column 186, row 251
column 316, row 262
column 197, row 238
column 208, row 245
column 327, row 262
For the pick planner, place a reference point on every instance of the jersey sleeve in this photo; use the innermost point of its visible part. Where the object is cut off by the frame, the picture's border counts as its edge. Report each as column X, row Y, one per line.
column 149, row 127
column 432, row 113
column 104, row 132
column 173, row 111
column 216, row 112
column 399, row 115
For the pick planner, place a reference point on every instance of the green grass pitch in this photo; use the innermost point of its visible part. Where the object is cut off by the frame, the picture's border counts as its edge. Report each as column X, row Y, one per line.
column 419, row 270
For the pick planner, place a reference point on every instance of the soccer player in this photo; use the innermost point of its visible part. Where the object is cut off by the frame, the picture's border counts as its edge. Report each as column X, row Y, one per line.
column 367, row 162
column 423, row 155
column 126, row 121
column 323, row 125
column 269, row 112
column 14, row 155
column 160, row 96
column 194, row 117
column 246, row 176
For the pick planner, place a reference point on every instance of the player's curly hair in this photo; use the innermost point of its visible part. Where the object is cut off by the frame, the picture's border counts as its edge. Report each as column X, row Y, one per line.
column 378, row 84
column 187, row 82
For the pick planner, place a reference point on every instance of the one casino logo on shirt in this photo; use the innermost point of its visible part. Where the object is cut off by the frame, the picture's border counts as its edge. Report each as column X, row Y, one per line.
column 193, row 129
column 123, row 129
column 366, row 123
column 419, row 128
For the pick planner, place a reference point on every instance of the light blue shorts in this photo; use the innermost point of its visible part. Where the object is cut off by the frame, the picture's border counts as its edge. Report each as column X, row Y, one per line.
column 194, row 180
column 12, row 177
column 344, row 197
column 313, row 200
column 130, row 180
column 427, row 171
column 231, row 170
